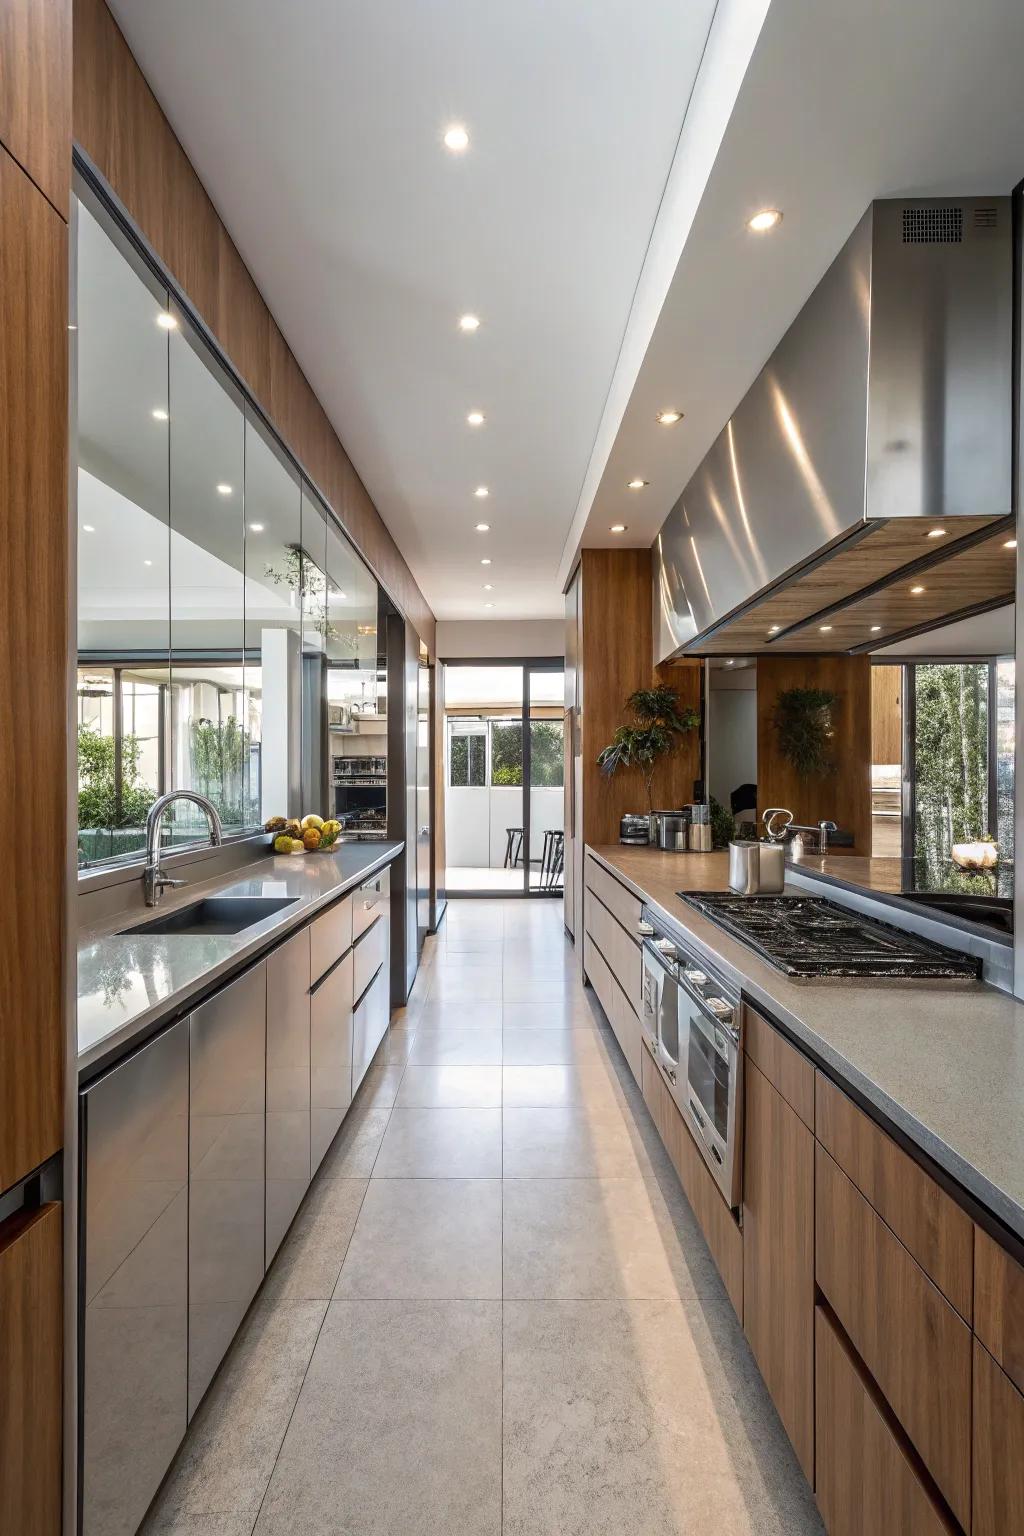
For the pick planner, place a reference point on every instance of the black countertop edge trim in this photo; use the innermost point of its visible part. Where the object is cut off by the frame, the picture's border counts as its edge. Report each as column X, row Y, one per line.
column 121, row 1047
column 907, row 903
column 985, row 1215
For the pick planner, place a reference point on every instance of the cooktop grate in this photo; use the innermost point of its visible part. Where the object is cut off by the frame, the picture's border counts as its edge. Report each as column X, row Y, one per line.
column 808, row 936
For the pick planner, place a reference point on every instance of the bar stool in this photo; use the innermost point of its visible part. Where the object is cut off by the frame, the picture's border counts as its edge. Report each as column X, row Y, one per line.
column 513, row 847
column 552, row 860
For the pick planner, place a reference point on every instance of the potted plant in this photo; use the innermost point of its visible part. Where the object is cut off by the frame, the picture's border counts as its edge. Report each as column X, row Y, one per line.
column 802, row 719
column 659, row 724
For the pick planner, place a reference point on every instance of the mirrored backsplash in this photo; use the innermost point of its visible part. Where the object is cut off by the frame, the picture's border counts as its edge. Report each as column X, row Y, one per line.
column 220, row 606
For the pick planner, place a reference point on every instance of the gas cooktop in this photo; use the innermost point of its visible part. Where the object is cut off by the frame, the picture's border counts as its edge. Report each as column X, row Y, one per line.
column 808, row 936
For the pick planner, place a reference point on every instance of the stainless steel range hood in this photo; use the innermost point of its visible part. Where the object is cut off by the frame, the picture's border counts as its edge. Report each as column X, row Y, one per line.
column 888, row 397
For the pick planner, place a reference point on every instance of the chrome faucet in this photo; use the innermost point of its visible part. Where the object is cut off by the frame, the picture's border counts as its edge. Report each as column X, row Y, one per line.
column 155, row 879
column 822, row 830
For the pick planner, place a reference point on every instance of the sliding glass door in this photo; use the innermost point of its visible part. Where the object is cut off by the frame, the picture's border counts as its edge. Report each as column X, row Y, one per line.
column 503, row 778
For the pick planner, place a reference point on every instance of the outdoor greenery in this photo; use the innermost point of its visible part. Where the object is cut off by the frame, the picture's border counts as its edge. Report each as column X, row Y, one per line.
column 802, row 718
column 723, row 824
column 467, row 767
column 97, row 784
column 660, row 723
column 218, row 759
column 951, row 759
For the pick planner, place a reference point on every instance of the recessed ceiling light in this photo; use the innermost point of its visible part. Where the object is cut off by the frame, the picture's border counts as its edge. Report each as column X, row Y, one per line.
column 774, row 629
column 475, row 418
column 1010, row 544
column 617, row 528
column 875, row 628
column 637, row 485
column 469, row 323
column 483, row 527
column 669, row 418
column 916, row 591
column 88, row 528
column 159, row 414
column 936, row 533
column 147, row 562
column 824, row 628
column 255, row 527
column 488, row 586
column 485, row 561
column 166, row 321
column 766, row 218
column 481, row 491
column 224, row 489
column 488, row 605
column 456, row 138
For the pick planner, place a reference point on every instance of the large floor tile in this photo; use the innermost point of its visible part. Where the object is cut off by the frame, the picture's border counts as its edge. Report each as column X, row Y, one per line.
column 353, row 1151
column 452, row 1047
column 451, row 1087
column 438, row 1015
column 541, row 1047
column 455, row 987
column 599, row 1238
column 397, row 1431
column 223, row 1468
column 556, row 1012
column 570, row 1141
column 426, row 1238
column 309, row 1260
column 593, row 1083
column 428, row 1143
column 641, row 1416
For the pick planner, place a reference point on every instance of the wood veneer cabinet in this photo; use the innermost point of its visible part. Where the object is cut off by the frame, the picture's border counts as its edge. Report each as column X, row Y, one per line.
column 33, row 648
column 866, row 1479
column 913, row 1343
column 999, row 1305
column 778, row 1256
column 35, row 92
column 998, row 1470
column 30, row 1381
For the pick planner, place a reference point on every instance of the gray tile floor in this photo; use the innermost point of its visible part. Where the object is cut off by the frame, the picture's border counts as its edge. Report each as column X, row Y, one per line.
column 494, row 1313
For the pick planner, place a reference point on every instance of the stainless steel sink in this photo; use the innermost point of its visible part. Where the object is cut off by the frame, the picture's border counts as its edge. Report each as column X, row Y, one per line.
column 215, row 914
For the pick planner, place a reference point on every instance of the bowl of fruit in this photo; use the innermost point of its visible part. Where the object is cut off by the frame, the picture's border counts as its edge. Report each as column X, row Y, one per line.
column 310, row 835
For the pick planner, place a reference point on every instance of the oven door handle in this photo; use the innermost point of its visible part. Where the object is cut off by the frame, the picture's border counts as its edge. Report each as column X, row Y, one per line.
column 709, row 1026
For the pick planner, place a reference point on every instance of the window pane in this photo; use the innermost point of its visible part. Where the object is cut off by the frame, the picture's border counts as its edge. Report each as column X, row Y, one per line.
column 546, row 754
column 507, row 753
column 950, row 760
column 477, row 776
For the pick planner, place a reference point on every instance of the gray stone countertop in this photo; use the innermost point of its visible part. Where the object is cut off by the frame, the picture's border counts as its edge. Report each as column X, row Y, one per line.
column 942, row 1061
column 127, row 983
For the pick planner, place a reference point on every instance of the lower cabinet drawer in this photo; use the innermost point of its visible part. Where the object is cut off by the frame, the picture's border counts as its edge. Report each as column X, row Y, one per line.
column 615, row 1004
column 998, row 1503
column 330, row 1058
column 865, row 1480
column 31, row 1302
column 620, row 951
column 370, row 1023
column 910, row 1339
column 368, row 955
column 330, row 935
column 370, row 901
column 620, row 902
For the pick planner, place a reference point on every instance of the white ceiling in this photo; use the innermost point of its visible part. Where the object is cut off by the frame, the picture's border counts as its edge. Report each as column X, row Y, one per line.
column 841, row 103
column 595, row 161
column 317, row 127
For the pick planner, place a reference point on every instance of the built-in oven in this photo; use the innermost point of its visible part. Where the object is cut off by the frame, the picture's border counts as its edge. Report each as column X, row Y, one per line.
column 690, row 1019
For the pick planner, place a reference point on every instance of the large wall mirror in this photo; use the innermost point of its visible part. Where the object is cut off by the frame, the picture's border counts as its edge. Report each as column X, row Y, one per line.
column 218, row 602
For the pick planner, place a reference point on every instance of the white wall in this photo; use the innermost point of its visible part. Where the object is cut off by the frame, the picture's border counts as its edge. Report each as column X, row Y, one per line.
column 499, row 638
column 477, row 822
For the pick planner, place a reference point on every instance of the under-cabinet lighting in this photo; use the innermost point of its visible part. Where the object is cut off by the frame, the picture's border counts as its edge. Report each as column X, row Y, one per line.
column 875, row 628
column 936, row 533
column 916, row 591
column 1010, row 544
column 824, row 628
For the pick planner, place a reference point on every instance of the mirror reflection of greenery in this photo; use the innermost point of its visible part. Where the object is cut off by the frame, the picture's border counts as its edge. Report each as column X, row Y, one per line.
column 951, row 766
column 97, row 792
column 218, row 756
column 301, row 574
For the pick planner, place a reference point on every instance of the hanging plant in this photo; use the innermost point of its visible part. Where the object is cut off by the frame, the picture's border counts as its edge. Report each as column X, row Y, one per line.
column 660, row 723
column 802, row 719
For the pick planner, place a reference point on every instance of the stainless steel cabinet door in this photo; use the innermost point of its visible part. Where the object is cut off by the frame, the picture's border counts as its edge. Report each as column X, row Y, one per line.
column 370, row 1023
column 330, row 1047
column 134, row 1215
column 287, row 1085
column 227, row 1122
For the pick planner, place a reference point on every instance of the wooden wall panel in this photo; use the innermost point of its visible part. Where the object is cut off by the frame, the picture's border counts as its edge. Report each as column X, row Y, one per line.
column 617, row 657
column 845, row 797
column 887, row 714
column 33, row 665
column 31, row 1303
column 119, row 124
column 35, row 92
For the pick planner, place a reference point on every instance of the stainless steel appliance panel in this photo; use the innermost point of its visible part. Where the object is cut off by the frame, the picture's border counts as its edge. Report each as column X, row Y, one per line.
column 370, row 1024
column 330, row 935
column 227, row 1151
column 287, row 1085
column 369, row 953
column 330, row 1045
column 786, row 475
column 369, row 901
column 135, row 1281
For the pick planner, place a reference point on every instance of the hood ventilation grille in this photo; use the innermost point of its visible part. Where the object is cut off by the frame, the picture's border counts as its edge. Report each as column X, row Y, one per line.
column 933, row 226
